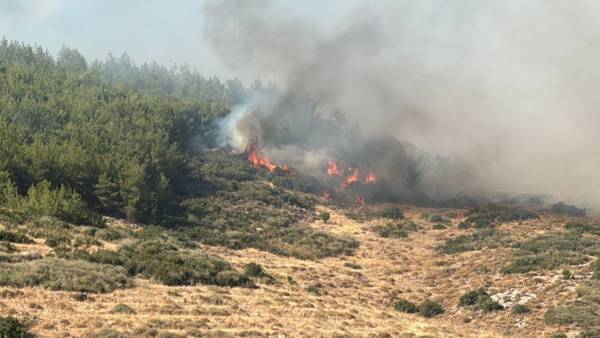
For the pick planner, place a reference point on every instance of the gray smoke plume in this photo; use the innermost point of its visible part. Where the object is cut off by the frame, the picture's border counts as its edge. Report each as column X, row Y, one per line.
column 502, row 94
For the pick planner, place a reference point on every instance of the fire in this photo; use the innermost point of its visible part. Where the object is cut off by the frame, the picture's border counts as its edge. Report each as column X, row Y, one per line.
column 327, row 195
column 371, row 178
column 360, row 200
column 257, row 160
column 332, row 169
column 352, row 178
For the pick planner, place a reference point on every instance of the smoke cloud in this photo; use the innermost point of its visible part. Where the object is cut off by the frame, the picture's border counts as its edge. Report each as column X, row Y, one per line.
column 498, row 96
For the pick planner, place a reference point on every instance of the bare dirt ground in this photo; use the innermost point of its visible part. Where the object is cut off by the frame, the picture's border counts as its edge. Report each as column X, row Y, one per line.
column 346, row 300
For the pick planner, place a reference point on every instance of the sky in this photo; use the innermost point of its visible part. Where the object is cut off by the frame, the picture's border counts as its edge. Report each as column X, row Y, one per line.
column 168, row 32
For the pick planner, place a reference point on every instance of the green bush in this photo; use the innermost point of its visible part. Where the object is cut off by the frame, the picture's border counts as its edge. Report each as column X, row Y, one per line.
column 254, row 270
column 167, row 264
column 232, row 278
column 481, row 300
column 395, row 230
column 14, row 237
column 478, row 240
column 405, row 306
column 520, row 309
column 324, row 216
column 10, row 327
column 394, row 213
column 438, row 226
column 472, row 297
column 550, row 251
column 123, row 309
column 492, row 214
column 65, row 275
column 430, row 309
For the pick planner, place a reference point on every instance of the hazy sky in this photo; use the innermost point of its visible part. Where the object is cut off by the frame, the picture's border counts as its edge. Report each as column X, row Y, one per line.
column 168, row 32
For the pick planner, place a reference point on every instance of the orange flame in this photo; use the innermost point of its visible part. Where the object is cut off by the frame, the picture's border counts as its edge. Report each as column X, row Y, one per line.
column 257, row 161
column 327, row 195
column 360, row 200
column 352, row 178
column 371, row 178
column 332, row 169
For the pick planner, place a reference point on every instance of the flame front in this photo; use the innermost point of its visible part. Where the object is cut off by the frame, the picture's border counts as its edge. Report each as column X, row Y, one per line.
column 332, row 169
column 258, row 160
column 352, row 178
column 360, row 200
column 371, row 178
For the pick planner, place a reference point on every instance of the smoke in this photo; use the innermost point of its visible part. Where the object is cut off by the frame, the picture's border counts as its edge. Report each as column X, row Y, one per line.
column 502, row 94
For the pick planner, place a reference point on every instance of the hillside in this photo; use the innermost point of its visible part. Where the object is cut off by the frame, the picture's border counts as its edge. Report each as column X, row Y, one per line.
column 339, row 296
column 123, row 215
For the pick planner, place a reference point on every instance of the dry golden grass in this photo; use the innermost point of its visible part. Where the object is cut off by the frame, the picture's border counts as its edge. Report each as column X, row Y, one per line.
column 353, row 300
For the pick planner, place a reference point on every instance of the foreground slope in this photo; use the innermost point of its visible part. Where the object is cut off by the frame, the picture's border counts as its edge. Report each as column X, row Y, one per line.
column 338, row 296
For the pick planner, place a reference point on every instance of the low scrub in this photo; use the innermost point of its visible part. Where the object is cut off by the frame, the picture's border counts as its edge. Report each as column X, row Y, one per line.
column 493, row 214
column 479, row 299
column 167, row 264
column 65, row 275
column 566, row 209
column 13, row 237
column 395, row 230
column 550, row 251
column 393, row 213
column 429, row 309
column 11, row 327
column 584, row 312
column 480, row 239
column 405, row 306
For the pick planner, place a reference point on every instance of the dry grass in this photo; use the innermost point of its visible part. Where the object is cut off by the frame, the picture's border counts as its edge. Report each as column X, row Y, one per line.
column 349, row 302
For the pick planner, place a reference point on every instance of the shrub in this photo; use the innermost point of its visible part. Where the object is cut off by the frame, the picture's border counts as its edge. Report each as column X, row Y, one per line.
column 551, row 251
column 472, row 297
column 481, row 300
column 569, row 210
column 438, row 226
column 394, row 213
column 395, row 230
column 10, row 327
column 254, row 270
column 566, row 274
column 167, row 264
column 60, row 274
column 520, row 309
column 14, row 237
column 58, row 240
column 324, row 216
column 490, row 305
column 405, row 306
column 352, row 265
column 123, row 309
column 476, row 241
column 493, row 214
column 430, row 309
column 232, row 278
column 314, row 289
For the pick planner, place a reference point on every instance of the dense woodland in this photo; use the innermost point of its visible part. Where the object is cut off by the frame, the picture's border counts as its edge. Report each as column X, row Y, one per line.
column 110, row 134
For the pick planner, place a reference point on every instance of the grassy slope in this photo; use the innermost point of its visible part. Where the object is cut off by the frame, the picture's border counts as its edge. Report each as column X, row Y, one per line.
column 352, row 300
